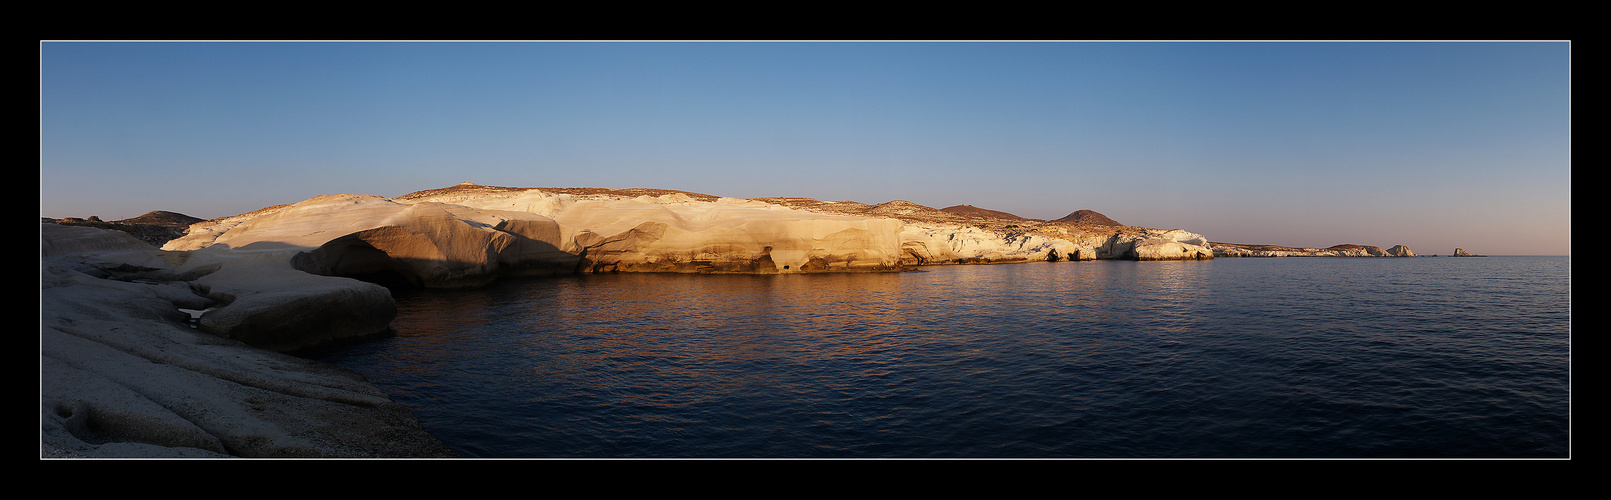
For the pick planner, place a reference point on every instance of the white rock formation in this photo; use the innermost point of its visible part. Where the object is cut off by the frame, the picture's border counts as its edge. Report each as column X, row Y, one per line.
column 262, row 301
column 950, row 243
column 1173, row 244
column 467, row 234
column 123, row 374
column 457, row 238
column 1237, row 250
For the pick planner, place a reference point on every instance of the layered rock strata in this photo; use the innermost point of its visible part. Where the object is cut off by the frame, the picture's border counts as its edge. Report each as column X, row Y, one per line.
column 968, row 235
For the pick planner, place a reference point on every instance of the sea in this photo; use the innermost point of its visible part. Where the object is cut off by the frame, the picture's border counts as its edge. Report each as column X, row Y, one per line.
column 1295, row 357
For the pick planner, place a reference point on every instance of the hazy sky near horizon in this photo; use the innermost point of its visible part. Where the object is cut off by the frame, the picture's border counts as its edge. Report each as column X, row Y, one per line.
column 1434, row 145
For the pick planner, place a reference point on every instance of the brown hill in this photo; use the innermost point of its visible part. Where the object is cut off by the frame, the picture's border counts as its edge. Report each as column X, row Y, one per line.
column 973, row 211
column 1089, row 218
column 156, row 227
column 462, row 187
column 898, row 208
column 163, row 218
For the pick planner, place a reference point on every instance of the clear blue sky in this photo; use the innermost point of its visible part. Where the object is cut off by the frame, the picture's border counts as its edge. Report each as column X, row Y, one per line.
column 1430, row 145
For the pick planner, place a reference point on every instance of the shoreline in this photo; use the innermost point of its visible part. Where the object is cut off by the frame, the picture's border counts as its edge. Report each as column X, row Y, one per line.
column 124, row 375
column 179, row 351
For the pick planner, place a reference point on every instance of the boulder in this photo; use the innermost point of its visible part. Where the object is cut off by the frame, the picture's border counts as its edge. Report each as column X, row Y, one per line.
column 430, row 244
column 266, row 303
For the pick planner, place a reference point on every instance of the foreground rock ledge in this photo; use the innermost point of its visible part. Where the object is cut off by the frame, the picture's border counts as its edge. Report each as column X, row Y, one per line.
column 122, row 374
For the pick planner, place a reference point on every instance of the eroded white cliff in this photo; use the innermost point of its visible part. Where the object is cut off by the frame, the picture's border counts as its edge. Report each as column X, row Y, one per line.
column 468, row 234
column 943, row 243
column 460, row 238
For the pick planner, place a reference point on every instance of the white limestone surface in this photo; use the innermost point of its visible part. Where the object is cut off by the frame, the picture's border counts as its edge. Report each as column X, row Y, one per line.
column 123, row 374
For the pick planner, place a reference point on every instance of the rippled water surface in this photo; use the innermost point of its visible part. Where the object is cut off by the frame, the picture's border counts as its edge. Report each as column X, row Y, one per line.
column 1286, row 357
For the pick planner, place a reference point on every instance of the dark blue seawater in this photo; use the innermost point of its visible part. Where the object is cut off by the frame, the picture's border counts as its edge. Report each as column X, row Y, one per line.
column 1284, row 357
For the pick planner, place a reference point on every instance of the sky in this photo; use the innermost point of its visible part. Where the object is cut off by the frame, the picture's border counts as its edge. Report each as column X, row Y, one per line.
column 1432, row 145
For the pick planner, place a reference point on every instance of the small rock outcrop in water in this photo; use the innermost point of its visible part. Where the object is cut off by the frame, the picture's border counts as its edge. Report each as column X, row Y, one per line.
column 1461, row 252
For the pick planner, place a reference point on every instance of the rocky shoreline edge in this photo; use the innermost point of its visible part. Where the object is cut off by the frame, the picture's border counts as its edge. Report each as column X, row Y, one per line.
column 124, row 374
column 178, row 351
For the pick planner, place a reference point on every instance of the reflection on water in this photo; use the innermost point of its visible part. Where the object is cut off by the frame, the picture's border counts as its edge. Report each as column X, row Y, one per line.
column 1255, row 357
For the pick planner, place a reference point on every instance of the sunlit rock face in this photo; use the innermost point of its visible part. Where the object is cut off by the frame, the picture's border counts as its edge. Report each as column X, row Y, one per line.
column 674, row 233
column 1172, row 245
column 470, row 235
column 932, row 243
column 938, row 243
column 731, row 235
column 302, row 225
column 434, row 244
